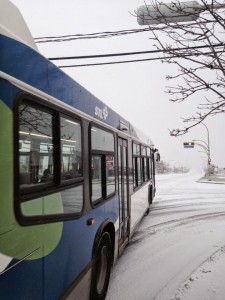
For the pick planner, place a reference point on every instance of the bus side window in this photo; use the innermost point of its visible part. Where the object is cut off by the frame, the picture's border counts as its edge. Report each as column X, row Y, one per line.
column 96, row 174
column 103, row 181
column 136, row 165
column 149, row 175
column 143, row 164
column 38, row 158
column 71, row 149
column 35, row 146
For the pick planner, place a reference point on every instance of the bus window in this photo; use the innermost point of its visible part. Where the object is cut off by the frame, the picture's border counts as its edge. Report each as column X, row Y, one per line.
column 37, row 161
column 110, row 174
column 148, row 164
column 71, row 154
column 35, row 147
column 143, row 164
column 136, row 165
column 69, row 201
column 96, row 177
column 135, row 177
column 102, row 164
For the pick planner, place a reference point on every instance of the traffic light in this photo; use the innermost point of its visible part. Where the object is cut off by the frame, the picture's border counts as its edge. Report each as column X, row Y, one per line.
column 188, row 144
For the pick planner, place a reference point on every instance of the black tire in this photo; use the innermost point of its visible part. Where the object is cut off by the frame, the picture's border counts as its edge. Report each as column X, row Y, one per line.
column 150, row 195
column 101, row 269
column 147, row 212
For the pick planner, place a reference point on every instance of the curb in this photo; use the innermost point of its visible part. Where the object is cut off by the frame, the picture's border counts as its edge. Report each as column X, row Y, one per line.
column 210, row 181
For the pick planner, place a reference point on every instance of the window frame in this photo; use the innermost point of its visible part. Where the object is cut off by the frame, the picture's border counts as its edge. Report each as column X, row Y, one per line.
column 57, row 185
column 149, row 158
column 102, row 154
column 137, row 167
column 144, row 160
column 143, row 164
column 78, row 178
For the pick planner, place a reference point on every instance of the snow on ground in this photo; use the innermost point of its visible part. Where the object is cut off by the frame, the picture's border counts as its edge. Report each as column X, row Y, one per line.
column 178, row 252
column 207, row 282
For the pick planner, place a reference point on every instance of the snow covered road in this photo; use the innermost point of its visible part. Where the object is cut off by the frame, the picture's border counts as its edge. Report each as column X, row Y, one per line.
column 179, row 250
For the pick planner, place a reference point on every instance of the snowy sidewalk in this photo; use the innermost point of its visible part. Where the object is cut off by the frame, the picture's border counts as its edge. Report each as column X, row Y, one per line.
column 207, row 282
column 217, row 179
column 178, row 252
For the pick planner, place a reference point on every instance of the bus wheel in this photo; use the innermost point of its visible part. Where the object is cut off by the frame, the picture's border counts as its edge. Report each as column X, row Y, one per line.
column 150, row 195
column 102, row 267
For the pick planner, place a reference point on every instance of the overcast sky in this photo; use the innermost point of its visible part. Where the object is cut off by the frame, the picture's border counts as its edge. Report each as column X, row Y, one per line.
column 135, row 90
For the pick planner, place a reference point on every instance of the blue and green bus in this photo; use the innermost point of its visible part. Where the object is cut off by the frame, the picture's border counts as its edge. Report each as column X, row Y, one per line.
column 75, row 177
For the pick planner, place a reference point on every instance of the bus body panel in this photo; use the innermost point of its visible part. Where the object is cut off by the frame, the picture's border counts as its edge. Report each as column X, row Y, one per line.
column 45, row 76
column 40, row 261
column 139, row 205
column 70, row 257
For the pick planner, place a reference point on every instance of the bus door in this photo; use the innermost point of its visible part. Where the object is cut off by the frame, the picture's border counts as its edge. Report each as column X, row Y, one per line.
column 124, row 217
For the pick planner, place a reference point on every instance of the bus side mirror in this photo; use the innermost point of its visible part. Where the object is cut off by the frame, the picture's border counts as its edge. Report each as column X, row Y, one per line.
column 157, row 156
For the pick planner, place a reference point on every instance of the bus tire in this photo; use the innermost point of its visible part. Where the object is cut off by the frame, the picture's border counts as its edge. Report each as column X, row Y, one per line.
column 150, row 195
column 101, row 268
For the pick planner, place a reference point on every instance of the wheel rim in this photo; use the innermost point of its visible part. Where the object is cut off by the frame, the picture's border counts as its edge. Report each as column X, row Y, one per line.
column 102, row 268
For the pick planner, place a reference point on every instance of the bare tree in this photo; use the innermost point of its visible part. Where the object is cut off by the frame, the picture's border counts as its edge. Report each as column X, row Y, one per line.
column 196, row 48
column 162, row 167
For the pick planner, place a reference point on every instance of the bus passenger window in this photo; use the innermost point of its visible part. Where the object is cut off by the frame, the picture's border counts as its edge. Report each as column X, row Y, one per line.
column 69, row 201
column 149, row 163
column 143, row 163
column 136, row 166
column 35, row 146
column 40, row 193
column 110, row 174
column 96, row 169
column 71, row 151
column 102, row 164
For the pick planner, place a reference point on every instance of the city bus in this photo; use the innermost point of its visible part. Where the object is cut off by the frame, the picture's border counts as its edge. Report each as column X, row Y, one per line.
column 76, row 178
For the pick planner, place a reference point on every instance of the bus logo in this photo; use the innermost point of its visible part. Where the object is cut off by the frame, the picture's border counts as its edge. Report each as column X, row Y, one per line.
column 101, row 113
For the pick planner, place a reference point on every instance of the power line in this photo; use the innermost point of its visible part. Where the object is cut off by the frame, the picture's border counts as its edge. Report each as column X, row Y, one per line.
column 132, row 61
column 71, row 37
column 105, row 34
column 134, row 53
column 111, row 63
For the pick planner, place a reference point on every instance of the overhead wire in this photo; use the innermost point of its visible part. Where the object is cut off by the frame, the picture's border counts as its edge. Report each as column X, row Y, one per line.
column 134, row 53
column 104, row 34
column 133, row 61
column 71, row 37
column 107, row 34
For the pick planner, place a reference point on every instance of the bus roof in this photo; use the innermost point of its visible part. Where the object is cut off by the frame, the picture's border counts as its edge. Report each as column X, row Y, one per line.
column 13, row 25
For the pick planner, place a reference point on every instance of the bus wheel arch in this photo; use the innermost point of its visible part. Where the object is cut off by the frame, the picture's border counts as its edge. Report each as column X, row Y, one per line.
column 103, row 254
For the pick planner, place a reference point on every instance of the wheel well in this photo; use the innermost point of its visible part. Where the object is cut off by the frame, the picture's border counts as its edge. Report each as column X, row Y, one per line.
column 106, row 227
column 111, row 230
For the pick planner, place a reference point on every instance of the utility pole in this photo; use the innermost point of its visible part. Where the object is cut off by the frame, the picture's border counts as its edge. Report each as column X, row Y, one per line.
column 209, row 157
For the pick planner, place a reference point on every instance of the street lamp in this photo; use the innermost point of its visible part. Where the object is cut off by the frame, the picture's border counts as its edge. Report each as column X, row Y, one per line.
column 209, row 161
column 206, row 146
column 173, row 12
